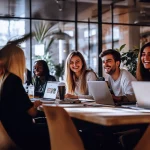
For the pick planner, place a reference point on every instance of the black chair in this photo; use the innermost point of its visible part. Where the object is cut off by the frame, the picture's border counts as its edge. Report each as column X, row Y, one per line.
column 129, row 138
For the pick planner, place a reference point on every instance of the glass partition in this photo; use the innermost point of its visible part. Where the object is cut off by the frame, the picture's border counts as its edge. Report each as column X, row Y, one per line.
column 88, row 44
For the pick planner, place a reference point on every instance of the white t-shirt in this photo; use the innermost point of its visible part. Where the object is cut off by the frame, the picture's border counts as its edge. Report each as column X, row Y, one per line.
column 90, row 76
column 122, row 86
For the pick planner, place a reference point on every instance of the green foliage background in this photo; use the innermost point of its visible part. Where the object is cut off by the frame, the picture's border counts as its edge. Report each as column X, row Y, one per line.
column 129, row 59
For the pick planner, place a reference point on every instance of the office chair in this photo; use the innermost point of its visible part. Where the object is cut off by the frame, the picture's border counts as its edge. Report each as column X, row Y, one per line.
column 63, row 134
column 144, row 143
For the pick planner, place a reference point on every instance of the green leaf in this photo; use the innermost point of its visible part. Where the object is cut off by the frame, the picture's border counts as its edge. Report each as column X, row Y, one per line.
column 48, row 45
column 59, row 70
column 121, row 47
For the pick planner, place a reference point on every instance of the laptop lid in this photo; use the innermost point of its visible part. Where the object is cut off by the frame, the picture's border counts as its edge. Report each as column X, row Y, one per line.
column 142, row 93
column 51, row 90
column 100, row 92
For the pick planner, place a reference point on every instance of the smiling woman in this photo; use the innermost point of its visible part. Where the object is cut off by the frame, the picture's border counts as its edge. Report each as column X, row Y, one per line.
column 41, row 76
column 77, row 75
column 143, row 67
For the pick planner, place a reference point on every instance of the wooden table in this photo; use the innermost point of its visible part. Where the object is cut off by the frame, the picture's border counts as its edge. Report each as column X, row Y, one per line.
column 110, row 116
column 107, row 116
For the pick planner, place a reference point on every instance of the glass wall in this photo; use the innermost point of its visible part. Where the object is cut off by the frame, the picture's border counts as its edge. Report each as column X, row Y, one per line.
column 54, row 43
column 88, row 43
column 62, row 26
column 125, row 22
column 59, row 27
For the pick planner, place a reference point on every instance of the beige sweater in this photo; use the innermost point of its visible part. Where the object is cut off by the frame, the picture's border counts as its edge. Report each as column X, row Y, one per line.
column 90, row 76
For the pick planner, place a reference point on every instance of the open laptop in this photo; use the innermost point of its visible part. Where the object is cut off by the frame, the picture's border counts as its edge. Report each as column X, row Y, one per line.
column 100, row 92
column 142, row 93
column 50, row 91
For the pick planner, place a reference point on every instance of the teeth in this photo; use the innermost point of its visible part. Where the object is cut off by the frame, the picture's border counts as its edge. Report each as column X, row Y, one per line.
column 146, row 62
column 76, row 67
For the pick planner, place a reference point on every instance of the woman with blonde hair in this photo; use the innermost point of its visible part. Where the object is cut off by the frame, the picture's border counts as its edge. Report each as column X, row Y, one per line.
column 16, row 109
column 77, row 75
column 143, row 66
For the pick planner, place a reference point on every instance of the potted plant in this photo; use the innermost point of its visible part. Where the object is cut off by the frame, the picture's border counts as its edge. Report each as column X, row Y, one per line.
column 43, row 33
column 59, row 70
column 129, row 59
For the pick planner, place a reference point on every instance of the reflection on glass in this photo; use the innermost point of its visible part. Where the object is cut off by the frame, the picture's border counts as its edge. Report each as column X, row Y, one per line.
column 57, row 39
column 88, row 10
column 52, row 9
column 10, row 29
column 87, row 44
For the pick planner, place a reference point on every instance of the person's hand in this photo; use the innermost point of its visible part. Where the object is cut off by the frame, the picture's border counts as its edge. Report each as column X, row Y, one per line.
column 116, row 98
column 71, row 96
column 37, row 103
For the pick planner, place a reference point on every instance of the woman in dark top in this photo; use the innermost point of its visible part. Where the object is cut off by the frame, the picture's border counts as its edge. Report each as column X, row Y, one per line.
column 16, row 109
column 41, row 76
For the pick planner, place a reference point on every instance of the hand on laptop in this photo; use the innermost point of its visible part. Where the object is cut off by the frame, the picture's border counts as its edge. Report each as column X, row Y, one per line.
column 37, row 103
column 120, row 98
column 71, row 96
column 116, row 98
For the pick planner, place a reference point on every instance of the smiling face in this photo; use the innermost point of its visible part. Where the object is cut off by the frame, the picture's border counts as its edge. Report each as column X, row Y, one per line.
column 76, row 65
column 145, row 58
column 109, row 64
column 38, row 69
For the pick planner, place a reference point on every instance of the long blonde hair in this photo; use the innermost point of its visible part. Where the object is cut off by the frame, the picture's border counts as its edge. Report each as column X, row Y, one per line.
column 13, row 59
column 70, row 75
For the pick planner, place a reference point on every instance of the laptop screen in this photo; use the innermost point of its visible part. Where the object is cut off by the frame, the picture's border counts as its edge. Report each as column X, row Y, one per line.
column 100, row 92
column 142, row 93
column 51, row 90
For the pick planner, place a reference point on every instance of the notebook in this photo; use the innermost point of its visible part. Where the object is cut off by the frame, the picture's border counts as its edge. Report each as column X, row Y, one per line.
column 142, row 93
column 50, row 91
column 100, row 92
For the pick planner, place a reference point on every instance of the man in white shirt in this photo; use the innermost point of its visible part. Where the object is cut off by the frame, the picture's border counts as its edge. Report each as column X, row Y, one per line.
column 119, row 80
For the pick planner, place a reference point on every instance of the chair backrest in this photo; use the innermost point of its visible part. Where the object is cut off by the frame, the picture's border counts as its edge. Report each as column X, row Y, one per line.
column 6, row 142
column 63, row 134
column 144, row 143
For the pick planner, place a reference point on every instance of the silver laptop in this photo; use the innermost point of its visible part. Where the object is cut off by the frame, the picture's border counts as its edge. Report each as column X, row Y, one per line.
column 50, row 91
column 100, row 92
column 142, row 93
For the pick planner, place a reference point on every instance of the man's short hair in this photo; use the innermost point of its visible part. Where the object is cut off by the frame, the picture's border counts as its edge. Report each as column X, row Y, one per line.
column 116, row 55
